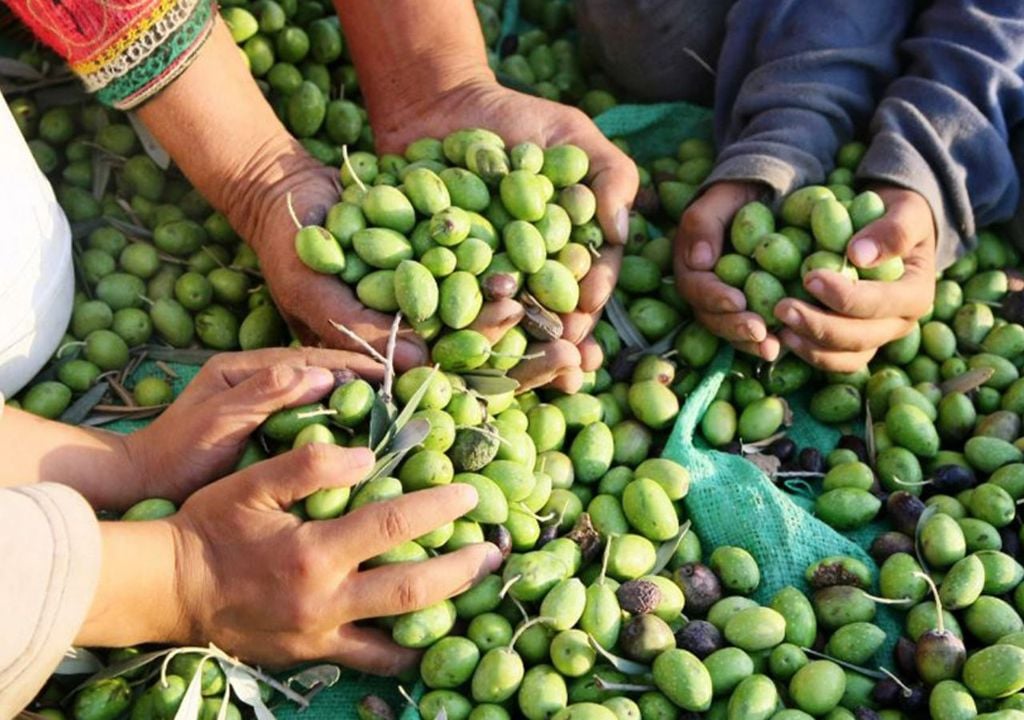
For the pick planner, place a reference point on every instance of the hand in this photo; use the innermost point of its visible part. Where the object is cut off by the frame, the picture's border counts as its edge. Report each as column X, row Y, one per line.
column 698, row 246
column 310, row 301
column 866, row 314
column 482, row 102
column 252, row 578
column 201, row 435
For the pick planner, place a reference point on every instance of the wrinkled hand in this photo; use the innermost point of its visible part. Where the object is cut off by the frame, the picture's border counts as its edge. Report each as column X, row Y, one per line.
column 698, row 246
column 865, row 314
column 264, row 585
column 309, row 301
column 202, row 434
column 613, row 177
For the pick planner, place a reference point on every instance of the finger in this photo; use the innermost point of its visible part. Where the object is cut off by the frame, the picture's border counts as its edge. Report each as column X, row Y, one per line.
column 614, row 180
column 836, row 332
column 569, row 381
column 907, row 223
column 599, row 282
column 909, row 297
column 283, row 480
column 404, row 587
column 735, row 327
column 705, row 224
column 497, row 318
column 371, row 650
column 591, row 356
column 707, row 293
column 556, row 357
column 577, row 325
column 335, row 302
column 229, row 417
column 823, row 359
column 373, row 529
column 767, row 350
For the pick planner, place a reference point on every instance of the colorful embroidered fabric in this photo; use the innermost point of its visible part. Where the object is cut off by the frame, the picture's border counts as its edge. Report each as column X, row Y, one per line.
column 125, row 51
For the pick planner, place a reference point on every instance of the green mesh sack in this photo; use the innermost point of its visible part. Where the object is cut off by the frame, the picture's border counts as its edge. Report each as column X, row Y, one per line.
column 732, row 502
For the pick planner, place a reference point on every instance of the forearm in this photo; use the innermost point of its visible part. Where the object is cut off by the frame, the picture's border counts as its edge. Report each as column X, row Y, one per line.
column 412, row 51
column 95, row 463
column 944, row 128
column 136, row 596
column 222, row 133
column 796, row 79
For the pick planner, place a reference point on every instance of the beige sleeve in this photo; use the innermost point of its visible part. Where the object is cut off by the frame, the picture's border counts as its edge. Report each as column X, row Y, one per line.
column 50, row 558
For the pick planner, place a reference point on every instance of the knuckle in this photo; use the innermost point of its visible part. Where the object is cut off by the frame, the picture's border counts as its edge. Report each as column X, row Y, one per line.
column 394, row 524
column 411, row 593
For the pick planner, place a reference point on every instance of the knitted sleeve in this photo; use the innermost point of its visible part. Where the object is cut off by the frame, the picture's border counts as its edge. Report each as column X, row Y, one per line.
column 125, row 51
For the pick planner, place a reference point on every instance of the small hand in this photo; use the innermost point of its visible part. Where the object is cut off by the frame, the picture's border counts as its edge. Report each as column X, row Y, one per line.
column 262, row 584
column 861, row 316
column 698, row 246
column 201, row 435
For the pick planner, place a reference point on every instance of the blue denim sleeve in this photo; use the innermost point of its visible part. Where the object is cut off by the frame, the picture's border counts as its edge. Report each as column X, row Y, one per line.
column 798, row 78
column 949, row 126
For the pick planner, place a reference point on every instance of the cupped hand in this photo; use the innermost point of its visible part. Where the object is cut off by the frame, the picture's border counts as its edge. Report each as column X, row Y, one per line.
column 202, row 434
column 613, row 177
column 860, row 316
column 262, row 584
column 699, row 243
column 310, row 301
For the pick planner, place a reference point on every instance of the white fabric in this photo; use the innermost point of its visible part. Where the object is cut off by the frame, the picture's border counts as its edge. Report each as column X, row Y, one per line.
column 36, row 274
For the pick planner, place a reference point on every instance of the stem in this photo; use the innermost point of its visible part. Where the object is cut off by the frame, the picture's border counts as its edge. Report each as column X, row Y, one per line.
column 847, row 665
column 604, row 559
column 406, row 696
column 939, row 620
column 351, row 335
column 799, row 474
column 508, row 586
column 526, row 626
column 907, row 692
column 911, row 483
column 65, row 346
column 389, row 363
column 887, row 601
column 316, row 413
column 291, row 210
column 603, row 684
column 146, row 300
column 352, row 170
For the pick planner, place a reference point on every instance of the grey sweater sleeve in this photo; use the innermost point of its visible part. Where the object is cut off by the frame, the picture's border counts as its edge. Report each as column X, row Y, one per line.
column 796, row 79
column 50, row 550
column 948, row 126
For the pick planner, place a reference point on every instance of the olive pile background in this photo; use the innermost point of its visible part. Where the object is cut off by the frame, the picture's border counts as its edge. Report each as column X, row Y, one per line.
column 607, row 606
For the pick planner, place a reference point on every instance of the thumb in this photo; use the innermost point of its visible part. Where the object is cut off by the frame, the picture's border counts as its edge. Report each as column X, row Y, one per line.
column 614, row 180
column 895, row 234
column 283, row 480
column 705, row 223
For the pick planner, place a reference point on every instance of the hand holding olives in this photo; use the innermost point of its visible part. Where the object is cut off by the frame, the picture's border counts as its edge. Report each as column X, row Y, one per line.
column 894, row 255
column 306, row 590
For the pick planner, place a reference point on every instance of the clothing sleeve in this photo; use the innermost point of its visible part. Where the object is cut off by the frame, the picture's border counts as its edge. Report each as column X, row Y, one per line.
column 50, row 545
column 796, row 79
column 945, row 128
column 125, row 51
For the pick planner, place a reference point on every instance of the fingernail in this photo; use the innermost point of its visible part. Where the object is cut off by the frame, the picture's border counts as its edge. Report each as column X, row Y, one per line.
column 622, row 225
column 771, row 354
column 319, row 377
column 815, row 287
column 789, row 316
column 863, row 252
column 410, row 354
column 700, row 256
column 754, row 331
column 494, row 559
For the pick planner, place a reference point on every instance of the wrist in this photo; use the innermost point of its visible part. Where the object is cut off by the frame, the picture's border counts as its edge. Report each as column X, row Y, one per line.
column 138, row 598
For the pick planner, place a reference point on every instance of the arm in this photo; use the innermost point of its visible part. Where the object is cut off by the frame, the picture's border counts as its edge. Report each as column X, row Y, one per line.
column 795, row 80
column 944, row 128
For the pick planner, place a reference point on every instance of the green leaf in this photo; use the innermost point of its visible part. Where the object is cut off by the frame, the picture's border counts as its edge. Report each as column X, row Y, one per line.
column 246, row 689
column 407, row 412
column 78, row 661
column 381, row 419
column 193, row 698
column 121, row 668
column 668, row 549
column 316, row 676
column 620, row 320
column 619, row 663
column 490, row 384
column 80, row 408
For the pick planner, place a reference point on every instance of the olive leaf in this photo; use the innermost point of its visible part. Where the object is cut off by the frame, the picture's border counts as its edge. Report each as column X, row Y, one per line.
column 968, row 381
column 768, row 464
column 222, row 711
column 121, row 668
column 193, row 698
column 666, row 343
column 150, row 144
column 442, row 714
column 82, row 228
column 317, row 676
column 755, row 447
column 246, row 689
column 668, row 549
column 407, row 412
column 405, row 440
column 869, row 435
column 130, row 228
column 78, row 661
column 182, row 356
column 380, row 420
column 489, row 384
column 621, row 664
column 609, row 686
column 12, row 69
column 622, row 323
column 80, row 408
column 100, row 175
